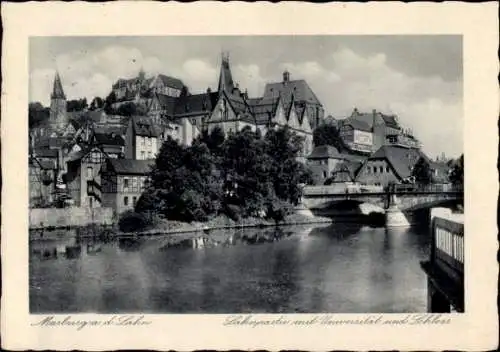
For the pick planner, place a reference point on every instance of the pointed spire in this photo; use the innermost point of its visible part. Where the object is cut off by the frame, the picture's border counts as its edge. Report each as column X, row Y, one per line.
column 57, row 91
column 225, row 77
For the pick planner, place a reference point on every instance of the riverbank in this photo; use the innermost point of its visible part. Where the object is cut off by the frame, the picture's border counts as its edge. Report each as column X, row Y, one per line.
column 222, row 222
column 168, row 227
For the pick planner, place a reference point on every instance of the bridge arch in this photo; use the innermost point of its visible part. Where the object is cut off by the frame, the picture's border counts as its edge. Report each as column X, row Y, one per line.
column 436, row 203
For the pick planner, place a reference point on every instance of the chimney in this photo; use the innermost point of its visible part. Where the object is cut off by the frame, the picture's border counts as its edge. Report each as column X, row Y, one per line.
column 286, row 77
column 374, row 121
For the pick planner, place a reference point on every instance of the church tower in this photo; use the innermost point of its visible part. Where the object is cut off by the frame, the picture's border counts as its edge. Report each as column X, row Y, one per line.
column 58, row 111
column 225, row 77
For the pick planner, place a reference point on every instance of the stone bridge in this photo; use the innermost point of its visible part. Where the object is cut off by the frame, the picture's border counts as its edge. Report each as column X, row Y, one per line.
column 394, row 200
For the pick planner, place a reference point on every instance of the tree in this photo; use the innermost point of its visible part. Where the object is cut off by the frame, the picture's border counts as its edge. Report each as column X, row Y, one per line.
column 127, row 109
column 243, row 174
column 97, row 103
column 456, row 175
column 37, row 114
column 422, row 172
column 246, row 171
column 183, row 183
column 283, row 147
column 108, row 103
column 77, row 104
column 328, row 134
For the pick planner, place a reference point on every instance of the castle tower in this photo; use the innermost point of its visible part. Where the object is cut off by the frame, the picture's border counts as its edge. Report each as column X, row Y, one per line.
column 58, row 111
column 225, row 77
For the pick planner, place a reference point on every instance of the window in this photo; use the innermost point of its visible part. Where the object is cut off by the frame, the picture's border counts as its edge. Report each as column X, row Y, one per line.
column 368, row 169
column 150, row 141
column 90, row 202
column 134, row 201
column 143, row 155
column 134, row 184
column 89, row 172
column 150, row 155
column 387, row 169
column 324, row 174
column 125, row 184
column 125, row 200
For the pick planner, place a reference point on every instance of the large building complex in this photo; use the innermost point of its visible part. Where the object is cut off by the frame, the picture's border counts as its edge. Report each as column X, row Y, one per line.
column 73, row 148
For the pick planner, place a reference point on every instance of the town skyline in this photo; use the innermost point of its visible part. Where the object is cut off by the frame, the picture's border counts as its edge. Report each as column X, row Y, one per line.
column 345, row 72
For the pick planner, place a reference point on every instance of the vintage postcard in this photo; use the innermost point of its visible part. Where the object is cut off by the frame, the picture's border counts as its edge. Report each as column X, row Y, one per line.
column 249, row 176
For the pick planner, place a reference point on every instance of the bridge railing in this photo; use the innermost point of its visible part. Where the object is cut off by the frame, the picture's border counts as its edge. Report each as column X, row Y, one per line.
column 342, row 188
column 432, row 188
column 447, row 249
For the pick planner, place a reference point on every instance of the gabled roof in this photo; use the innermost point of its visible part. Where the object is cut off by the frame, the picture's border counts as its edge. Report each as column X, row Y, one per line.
column 76, row 125
column 388, row 120
column 43, row 164
column 144, row 126
column 325, row 152
column 130, row 166
column 263, row 109
column 356, row 124
column 46, row 153
column 194, row 104
column 299, row 88
column 109, row 138
column 167, row 103
column 76, row 156
column 401, row 159
column 346, row 171
column 169, row 81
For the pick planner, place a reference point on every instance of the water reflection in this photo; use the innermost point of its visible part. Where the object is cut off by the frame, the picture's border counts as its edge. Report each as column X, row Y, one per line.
column 343, row 268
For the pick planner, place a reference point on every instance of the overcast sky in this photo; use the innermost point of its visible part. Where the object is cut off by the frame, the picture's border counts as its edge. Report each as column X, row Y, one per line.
column 417, row 77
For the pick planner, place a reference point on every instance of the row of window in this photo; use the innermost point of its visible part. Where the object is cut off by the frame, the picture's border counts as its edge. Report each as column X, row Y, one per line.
column 143, row 141
column 146, row 155
column 126, row 201
column 134, row 184
column 377, row 169
column 95, row 158
column 319, row 162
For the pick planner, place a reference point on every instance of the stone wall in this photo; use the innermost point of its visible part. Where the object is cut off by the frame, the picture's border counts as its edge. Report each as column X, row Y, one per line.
column 74, row 216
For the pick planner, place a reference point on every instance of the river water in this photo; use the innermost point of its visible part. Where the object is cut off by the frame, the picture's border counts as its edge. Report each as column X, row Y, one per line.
column 339, row 268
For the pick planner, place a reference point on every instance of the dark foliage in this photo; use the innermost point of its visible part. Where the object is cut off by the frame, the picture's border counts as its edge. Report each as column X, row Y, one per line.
column 76, row 105
column 131, row 221
column 457, row 171
column 37, row 114
column 422, row 172
column 328, row 134
column 242, row 175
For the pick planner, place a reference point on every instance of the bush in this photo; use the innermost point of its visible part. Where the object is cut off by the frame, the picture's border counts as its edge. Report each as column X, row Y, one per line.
column 278, row 210
column 131, row 221
column 233, row 212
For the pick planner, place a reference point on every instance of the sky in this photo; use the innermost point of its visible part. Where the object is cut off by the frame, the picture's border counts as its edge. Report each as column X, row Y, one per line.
column 419, row 78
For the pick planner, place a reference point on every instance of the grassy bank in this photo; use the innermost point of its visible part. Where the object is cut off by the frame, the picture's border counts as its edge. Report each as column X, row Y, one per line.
column 162, row 227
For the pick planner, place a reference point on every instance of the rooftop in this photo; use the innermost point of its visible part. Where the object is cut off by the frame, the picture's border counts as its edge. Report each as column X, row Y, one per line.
column 131, row 167
column 325, row 151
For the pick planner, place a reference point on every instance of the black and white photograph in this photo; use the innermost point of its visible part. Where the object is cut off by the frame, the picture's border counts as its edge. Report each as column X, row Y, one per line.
column 246, row 174
column 249, row 176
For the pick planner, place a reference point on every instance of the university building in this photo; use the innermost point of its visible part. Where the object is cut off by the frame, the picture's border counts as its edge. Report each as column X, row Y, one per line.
column 101, row 159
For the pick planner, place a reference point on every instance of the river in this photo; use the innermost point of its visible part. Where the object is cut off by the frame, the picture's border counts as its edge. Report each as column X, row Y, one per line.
column 338, row 268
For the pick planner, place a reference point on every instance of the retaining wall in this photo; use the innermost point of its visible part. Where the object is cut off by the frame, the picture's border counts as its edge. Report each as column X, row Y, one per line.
column 74, row 216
